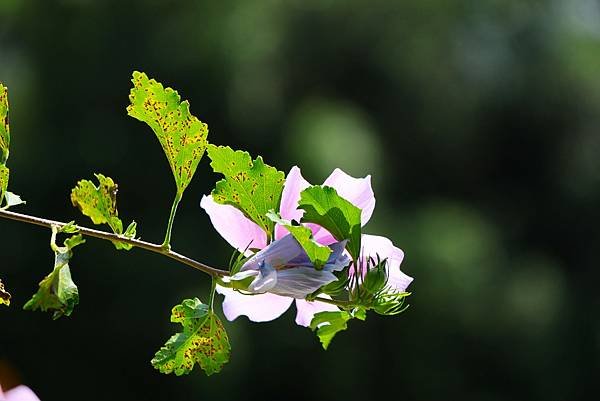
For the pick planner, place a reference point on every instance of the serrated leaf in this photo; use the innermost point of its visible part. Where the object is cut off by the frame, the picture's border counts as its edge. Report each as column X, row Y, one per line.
column 4, row 127
column 99, row 203
column 203, row 341
column 323, row 206
column 57, row 292
column 251, row 186
column 181, row 135
column 4, row 295
column 317, row 253
column 4, row 175
column 328, row 324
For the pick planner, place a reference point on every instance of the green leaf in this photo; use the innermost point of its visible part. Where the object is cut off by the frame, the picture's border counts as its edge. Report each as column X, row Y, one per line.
column 4, row 127
column 181, row 135
column 249, row 185
column 328, row 324
column 4, row 295
column 57, row 292
column 203, row 341
column 4, row 175
column 99, row 203
column 317, row 253
column 323, row 206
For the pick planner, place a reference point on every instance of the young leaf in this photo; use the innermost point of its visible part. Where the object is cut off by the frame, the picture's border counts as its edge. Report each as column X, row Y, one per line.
column 328, row 324
column 58, row 293
column 4, row 127
column 4, row 295
column 249, row 185
column 99, row 203
column 317, row 253
column 323, row 206
column 181, row 135
column 4, row 174
column 203, row 341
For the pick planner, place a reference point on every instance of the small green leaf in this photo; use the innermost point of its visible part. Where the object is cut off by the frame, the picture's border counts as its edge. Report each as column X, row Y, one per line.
column 328, row 324
column 203, row 341
column 99, row 203
column 4, row 175
column 317, row 253
column 181, row 135
column 249, row 185
column 4, row 295
column 58, row 293
column 4, row 127
column 323, row 206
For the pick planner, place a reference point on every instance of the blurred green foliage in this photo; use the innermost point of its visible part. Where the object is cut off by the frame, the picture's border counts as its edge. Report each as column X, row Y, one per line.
column 477, row 119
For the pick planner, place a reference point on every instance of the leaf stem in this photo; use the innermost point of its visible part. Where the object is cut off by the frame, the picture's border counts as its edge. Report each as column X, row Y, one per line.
column 115, row 237
column 167, row 243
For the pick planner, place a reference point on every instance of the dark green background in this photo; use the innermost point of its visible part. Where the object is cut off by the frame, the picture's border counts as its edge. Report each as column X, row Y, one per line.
column 479, row 121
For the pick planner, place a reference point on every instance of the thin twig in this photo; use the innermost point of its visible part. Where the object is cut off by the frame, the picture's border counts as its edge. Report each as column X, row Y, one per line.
column 115, row 237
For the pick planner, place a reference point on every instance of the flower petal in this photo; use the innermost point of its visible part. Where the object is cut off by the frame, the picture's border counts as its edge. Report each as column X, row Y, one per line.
column 233, row 226
column 307, row 310
column 374, row 246
column 20, row 393
column 258, row 308
column 298, row 282
column 294, row 184
column 356, row 190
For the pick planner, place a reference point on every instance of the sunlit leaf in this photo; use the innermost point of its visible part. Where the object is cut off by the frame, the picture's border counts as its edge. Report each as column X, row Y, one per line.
column 57, row 292
column 328, row 324
column 99, row 203
column 4, row 175
column 4, row 295
column 317, row 253
column 323, row 206
column 181, row 135
column 203, row 341
column 4, row 127
column 249, row 185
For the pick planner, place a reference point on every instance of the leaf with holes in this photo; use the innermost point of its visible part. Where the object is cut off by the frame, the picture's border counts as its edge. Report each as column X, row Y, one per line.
column 323, row 206
column 203, row 341
column 57, row 292
column 181, row 135
column 99, row 203
column 249, row 185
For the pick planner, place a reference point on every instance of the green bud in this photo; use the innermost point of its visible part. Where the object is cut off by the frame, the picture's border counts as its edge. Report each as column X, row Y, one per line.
column 375, row 280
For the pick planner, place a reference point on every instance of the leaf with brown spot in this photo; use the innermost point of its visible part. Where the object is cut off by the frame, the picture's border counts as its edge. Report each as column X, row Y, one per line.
column 99, row 203
column 181, row 135
column 4, row 127
column 203, row 341
column 4, row 295
column 251, row 186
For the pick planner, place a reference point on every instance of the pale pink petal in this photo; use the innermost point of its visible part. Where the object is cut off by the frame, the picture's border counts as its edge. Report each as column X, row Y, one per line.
column 20, row 393
column 356, row 190
column 321, row 235
column 258, row 308
column 374, row 246
column 307, row 310
column 294, row 184
column 233, row 226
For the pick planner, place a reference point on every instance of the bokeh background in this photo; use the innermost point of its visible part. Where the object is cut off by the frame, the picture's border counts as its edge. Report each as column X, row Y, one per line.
column 479, row 121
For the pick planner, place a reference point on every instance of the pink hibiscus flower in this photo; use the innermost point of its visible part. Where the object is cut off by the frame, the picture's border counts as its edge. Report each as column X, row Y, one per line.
column 20, row 393
column 240, row 231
